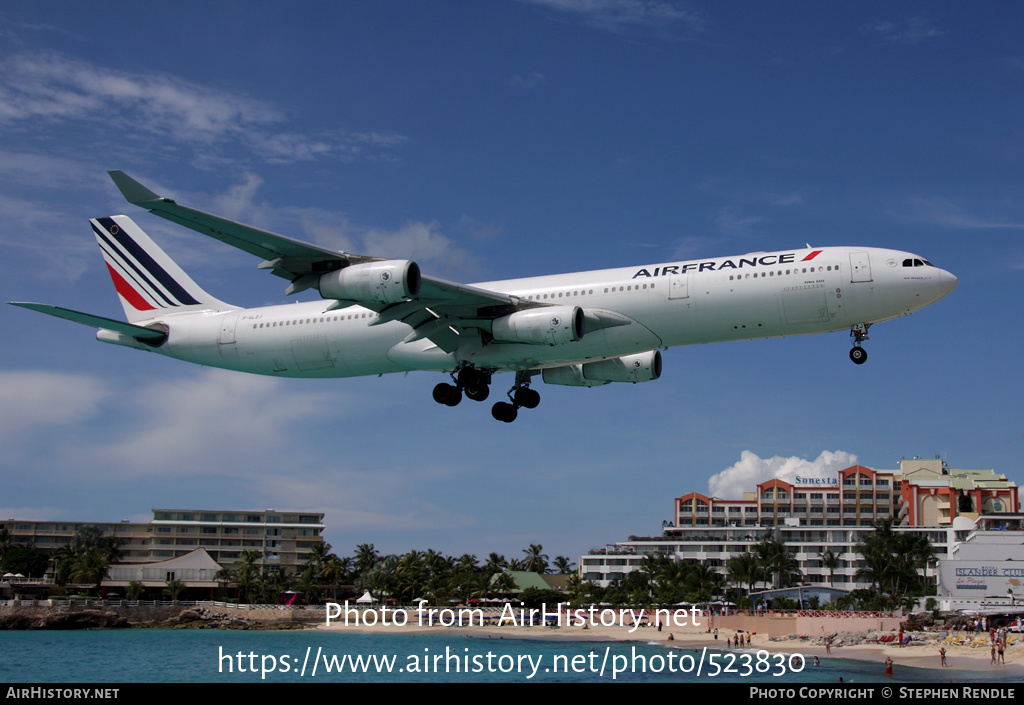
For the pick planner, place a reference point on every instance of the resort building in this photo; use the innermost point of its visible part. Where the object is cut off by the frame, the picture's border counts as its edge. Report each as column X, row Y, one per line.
column 812, row 515
column 283, row 539
column 985, row 571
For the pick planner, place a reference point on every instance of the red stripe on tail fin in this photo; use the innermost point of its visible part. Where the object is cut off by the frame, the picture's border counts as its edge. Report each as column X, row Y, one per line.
column 128, row 293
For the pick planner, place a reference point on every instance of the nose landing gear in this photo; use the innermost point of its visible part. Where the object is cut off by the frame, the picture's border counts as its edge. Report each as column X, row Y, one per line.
column 859, row 333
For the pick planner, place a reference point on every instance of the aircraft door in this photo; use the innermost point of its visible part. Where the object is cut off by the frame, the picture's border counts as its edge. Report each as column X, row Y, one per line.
column 227, row 330
column 677, row 287
column 860, row 267
column 226, row 340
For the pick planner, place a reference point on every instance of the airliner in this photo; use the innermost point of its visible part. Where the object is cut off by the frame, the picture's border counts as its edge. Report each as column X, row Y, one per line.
column 379, row 316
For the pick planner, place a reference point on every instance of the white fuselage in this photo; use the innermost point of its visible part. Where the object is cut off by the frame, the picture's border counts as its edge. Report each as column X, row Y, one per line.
column 757, row 295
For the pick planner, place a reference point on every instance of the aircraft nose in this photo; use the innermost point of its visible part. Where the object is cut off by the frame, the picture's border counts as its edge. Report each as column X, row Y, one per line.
column 947, row 282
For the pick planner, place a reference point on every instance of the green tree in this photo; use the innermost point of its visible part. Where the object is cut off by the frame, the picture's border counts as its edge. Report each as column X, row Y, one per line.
column 134, row 590
column 830, row 560
column 536, row 560
column 174, row 589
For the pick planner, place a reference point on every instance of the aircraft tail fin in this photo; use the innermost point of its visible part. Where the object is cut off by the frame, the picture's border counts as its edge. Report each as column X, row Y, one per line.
column 147, row 280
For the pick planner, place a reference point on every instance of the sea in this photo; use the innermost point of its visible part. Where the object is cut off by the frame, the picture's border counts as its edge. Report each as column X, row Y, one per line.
column 449, row 656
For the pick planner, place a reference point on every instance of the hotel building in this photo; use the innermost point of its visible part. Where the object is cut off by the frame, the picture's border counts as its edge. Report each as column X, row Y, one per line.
column 283, row 539
column 811, row 515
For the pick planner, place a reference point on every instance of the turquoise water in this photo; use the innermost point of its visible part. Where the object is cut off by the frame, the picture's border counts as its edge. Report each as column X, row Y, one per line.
column 209, row 656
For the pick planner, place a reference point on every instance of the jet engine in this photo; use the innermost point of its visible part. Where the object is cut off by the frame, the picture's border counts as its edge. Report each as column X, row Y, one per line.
column 386, row 282
column 550, row 325
column 641, row 367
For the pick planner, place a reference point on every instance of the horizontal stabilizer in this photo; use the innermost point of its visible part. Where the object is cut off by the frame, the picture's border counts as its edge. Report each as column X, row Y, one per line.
column 88, row 319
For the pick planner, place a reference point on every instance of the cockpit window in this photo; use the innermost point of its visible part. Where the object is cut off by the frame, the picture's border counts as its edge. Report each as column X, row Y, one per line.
column 917, row 263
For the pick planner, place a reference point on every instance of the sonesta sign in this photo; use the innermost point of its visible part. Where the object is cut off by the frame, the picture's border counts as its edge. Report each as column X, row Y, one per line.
column 817, row 481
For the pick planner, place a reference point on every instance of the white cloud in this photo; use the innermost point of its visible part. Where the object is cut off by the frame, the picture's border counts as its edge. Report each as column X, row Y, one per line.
column 367, row 498
column 528, row 82
column 217, row 422
column 911, row 31
column 751, row 469
column 621, row 15
column 32, row 400
column 50, row 88
column 942, row 212
column 729, row 220
column 437, row 254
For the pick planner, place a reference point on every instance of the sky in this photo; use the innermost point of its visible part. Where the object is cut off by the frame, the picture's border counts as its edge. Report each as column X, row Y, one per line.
column 498, row 140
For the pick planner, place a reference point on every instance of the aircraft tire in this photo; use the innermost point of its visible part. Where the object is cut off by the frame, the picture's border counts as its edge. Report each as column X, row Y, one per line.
column 443, row 394
column 478, row 393
column 859, row 355
column 503, row 411
column 526, row 398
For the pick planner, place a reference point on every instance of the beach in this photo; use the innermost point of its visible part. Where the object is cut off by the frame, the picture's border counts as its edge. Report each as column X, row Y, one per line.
column 922, row 652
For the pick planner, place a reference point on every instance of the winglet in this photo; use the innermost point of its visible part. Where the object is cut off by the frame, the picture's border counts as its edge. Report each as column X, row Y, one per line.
column 132, row 190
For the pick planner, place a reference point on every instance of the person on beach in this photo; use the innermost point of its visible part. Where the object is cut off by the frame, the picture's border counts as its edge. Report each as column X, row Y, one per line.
column 1000, row 651
column 992, row 651
column 828, row 646
column 942, row 656
column 888, row 667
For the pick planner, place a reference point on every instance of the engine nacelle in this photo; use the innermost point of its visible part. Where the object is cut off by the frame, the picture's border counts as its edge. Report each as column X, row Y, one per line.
column 570, row 376
column 550, row 325
column 642, row 367
column 387, row 282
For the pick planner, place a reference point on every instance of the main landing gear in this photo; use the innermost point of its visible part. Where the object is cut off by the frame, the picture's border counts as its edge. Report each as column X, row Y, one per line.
column 520, row 395
column 467, row 379
column 859, row 333
column 474, row 384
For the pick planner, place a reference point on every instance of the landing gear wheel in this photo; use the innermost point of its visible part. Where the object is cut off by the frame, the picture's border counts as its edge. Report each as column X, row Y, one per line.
column 478, row 393
column 503, row 411
column 859, row 355
column 526, row 398
column 447, row 394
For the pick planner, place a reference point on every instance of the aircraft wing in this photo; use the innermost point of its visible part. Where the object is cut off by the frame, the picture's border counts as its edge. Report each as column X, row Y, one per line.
column 441, row 306
column 288, row 258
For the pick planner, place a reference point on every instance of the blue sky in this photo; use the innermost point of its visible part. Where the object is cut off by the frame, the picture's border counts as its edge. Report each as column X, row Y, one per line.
column 496, row 140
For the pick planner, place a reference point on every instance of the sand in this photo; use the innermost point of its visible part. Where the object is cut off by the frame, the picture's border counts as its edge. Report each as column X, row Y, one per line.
column 924, row 655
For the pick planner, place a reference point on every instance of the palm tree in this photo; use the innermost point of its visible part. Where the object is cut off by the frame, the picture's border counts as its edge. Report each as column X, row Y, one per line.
column 495, row 563
column 744, row 570
column 317, row 555
column 563, row 565
column 90, row 567
column 536, row 560
column 6, row 543
column 366, row 556
column 247, row 576
column 830, row 560
column 334, row 571
column 174, row 589
column 134, row 590
column 502, row 583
